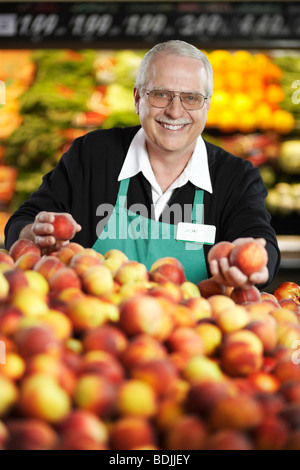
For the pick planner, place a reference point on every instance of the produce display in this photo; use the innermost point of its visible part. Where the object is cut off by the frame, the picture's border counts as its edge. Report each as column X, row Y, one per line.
column 99, row 353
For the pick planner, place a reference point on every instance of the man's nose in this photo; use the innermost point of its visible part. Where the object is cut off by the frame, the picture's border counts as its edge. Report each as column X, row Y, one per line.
column 175, row 108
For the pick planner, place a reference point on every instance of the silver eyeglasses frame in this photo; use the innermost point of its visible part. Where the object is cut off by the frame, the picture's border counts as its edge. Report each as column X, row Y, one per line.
column 175, row 93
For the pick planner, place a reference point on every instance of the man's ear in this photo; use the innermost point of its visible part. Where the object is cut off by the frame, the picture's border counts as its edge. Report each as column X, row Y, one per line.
column 137, row 98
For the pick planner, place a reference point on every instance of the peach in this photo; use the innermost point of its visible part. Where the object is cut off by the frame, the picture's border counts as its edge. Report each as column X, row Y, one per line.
column 114, row 259
column 37, row 281
column 41, row 397
column 6, row 258
column 82, row 261
column 98, row 281
column 188, row 432
column 69, row 294
column 232, row 318
column 209, row 287
column 27, row 260
column 219, row 303
column 84, row 422
column 131, row 272
column 242, row 353
column 63, row 227
column 288, row 290
column 60, row 324
column 160, row 374
column 290, row 413
column 95, row 394
column 10, row 320
column 168, row 412
column 202, row 396
column 241, row 295
column 36, row 340
column 14, row 366
column 52, row 365
column 265, row 329
column 186, row 341
column 4, row 287
column 288, row 334
column 263, row 382
column 30, row 302
column 79, row 441
column 220, row 250
column 16, row 279
column 287, row 371
column 9, row 395
column 48, row 265
column 3, row 435
column 66, row 252
column 89, row 312
column 211, row 337
column 228, row 439
column 142, row 348
column 165, row 269
column 249, row 257
column 183, row 316
column 105, row 338
column 293, row 442
column 200, row 306
column 267, row 296
column 190, row 290
column 241, row 412
column 30, row 434
column 22, row 246
column 291, row 391
column 136, row 398
column 63, row 279
column 143, row 314
column 168, row 290
column 284, row 315
column 291, row 305
column 201, row 369
column 104, row 364
column 258, row 310
column 130, row 432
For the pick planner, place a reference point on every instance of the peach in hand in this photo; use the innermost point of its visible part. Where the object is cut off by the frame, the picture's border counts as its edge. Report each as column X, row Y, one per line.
column 64, row 227
column 250, row 257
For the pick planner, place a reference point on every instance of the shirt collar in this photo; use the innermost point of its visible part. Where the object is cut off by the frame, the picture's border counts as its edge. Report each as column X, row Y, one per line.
column 196, row 171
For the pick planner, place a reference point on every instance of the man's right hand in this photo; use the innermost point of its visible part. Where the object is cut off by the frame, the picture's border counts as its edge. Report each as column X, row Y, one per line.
column 42, row 230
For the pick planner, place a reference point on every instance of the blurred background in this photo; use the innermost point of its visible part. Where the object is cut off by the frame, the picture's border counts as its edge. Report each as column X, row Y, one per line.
column 67, row 68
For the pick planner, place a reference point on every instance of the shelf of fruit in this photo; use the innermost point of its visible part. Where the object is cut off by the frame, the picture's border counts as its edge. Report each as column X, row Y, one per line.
column 99, row 353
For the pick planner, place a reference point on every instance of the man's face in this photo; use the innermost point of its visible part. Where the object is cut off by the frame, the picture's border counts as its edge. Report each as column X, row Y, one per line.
column 173, row 129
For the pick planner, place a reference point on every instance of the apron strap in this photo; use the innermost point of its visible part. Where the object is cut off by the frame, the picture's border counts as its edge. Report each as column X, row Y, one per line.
column 122, row 192
column 197, row 213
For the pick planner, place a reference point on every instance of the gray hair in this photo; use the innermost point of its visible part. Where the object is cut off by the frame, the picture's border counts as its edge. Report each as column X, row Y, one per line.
column 175, row 47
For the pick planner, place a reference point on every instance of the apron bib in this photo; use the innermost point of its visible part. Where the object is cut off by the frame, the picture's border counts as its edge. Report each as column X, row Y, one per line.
column 146, row 240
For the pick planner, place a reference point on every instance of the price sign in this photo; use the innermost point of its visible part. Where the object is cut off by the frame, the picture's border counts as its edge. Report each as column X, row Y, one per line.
column 122, row 24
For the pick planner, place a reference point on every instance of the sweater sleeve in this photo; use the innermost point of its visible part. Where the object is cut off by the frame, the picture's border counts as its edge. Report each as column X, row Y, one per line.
column 239, row 195
column 56, row 194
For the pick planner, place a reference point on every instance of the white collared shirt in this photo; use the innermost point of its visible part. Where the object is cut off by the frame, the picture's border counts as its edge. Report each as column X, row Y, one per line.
column 137, row 159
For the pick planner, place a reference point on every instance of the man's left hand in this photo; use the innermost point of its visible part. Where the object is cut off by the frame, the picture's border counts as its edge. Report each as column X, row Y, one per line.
column 228, row 275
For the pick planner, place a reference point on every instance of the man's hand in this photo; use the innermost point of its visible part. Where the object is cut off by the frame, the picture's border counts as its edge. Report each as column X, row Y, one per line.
column 228, row 275
column 43, row 231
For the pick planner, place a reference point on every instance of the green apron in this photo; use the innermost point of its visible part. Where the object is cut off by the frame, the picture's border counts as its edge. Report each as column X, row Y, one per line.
column 146, row 240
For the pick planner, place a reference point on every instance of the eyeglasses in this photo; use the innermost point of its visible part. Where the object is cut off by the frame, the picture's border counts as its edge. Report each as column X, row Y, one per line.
column 163, row 99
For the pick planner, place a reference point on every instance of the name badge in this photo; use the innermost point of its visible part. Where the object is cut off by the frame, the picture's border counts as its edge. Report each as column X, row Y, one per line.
column 198, row 233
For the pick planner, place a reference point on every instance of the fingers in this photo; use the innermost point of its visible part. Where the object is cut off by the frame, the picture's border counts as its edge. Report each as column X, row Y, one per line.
column 228, row 275
column 43, row 229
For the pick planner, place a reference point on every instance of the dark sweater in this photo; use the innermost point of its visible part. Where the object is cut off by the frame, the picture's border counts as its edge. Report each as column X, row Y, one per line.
column 86, row 176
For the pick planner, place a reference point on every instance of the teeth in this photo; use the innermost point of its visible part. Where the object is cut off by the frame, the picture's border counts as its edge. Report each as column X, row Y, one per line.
column 172, row 127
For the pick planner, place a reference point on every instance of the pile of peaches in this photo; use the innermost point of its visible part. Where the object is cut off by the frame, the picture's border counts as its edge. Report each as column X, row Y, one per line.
column 99, row 353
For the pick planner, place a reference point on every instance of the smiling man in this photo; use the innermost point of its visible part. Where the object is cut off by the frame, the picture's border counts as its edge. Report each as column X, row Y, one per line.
column 157, row 189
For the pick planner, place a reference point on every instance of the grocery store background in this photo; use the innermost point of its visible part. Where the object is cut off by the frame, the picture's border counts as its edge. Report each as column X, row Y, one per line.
column 68, row 67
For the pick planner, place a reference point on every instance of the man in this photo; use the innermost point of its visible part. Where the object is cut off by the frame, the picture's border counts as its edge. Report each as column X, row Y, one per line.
column 139, row 189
